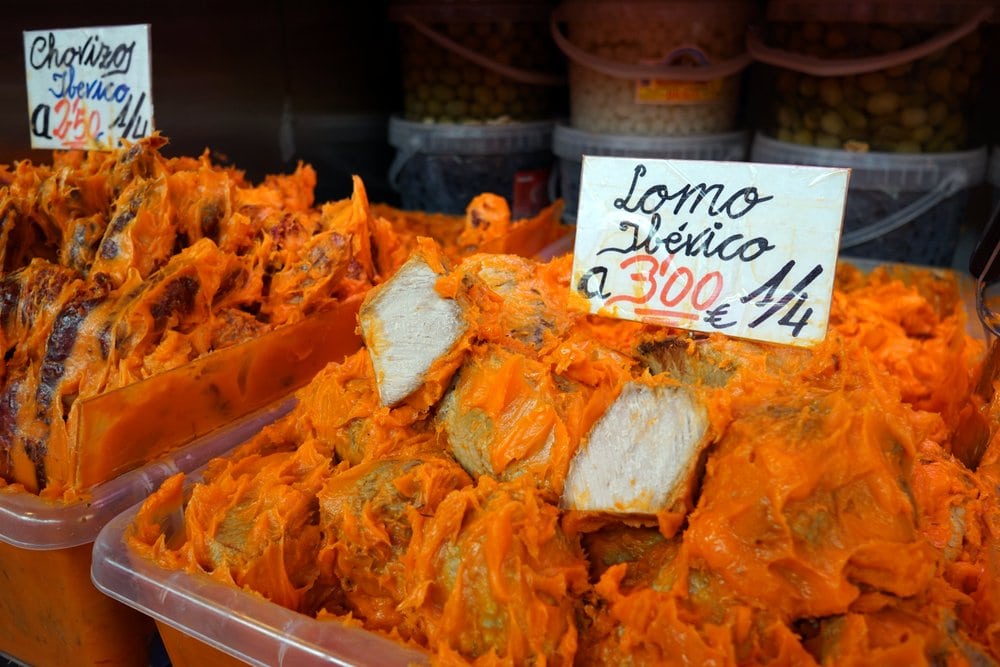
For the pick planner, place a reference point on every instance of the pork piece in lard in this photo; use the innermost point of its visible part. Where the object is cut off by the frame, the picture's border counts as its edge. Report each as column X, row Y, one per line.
column 407, row 326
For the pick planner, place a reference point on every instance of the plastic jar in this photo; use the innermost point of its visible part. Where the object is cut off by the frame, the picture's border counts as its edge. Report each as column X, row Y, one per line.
column 475, row 61
column 878, row 75
column 900, row 207
column 654, row 67
column 570, row 145
column 440, row 167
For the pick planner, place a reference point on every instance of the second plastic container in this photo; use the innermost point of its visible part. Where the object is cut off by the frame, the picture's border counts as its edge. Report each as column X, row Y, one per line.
column 570, row 145
column 440, row 167
column 900, row 207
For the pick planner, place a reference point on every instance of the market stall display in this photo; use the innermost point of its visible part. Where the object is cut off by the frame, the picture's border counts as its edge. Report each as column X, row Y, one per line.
column 147, row 301
column 825, row 522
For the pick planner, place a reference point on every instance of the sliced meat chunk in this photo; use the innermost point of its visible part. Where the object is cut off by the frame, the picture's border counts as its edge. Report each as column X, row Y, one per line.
column 407, row 326
column 642, row 455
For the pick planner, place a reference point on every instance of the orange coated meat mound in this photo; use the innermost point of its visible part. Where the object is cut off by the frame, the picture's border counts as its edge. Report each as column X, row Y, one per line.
column 829, row 523
column 119, row 266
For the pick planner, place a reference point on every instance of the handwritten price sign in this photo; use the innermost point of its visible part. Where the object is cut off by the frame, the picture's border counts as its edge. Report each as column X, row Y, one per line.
column 88, row 87
column 742, row 248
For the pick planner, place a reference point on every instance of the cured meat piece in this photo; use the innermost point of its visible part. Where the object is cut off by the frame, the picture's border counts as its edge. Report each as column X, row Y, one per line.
column 367, row 513
column 27, row 300
column 140, row 234
column 333, row 263
column 179, row 298
column 642, row 456
column 502, row 417
column 48, row 308
column 493, row 574
column 259, row 525
column 690, row 361
column 532, row 309
column 408, row 327
column 81, row 238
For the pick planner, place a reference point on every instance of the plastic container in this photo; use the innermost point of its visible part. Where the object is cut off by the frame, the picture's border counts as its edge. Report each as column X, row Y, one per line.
column 900, row 207
column 56, row 614
column 570, row 145
column 204, row 622
column 476, row 61
column 440, row 167
column 884, row 75
column 50, row 612
column 654, row 67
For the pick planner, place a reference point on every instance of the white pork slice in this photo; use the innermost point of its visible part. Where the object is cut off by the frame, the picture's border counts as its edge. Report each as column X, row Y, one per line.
column 642, row 455
column 407, row 326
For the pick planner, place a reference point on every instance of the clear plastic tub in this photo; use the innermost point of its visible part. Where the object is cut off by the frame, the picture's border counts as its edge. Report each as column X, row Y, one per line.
column 50, row 612
column 570, row 145
column 654, row 68
column 890, row 76
column 204, row 620
column 440, row 167
column 477, row 61
column 900, row 207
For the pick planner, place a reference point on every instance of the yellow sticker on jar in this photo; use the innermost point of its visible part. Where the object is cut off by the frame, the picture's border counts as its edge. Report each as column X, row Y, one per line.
column 667, row 91
column 654, row 91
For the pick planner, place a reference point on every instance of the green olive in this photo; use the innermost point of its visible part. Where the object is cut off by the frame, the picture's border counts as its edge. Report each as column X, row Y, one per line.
column 855, row 119
column 883, row 103
column 832, row 124
column 912, row 117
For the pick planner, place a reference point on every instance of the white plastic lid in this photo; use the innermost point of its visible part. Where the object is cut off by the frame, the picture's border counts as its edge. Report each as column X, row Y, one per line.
column 572, row 144
column 903, row 172
column 470, row 138
column 30, row 522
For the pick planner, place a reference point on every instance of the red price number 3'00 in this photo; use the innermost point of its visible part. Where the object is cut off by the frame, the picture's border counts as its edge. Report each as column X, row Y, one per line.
column 680, row 283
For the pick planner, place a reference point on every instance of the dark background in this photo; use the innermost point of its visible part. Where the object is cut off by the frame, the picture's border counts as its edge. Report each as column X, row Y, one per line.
column 261, row 84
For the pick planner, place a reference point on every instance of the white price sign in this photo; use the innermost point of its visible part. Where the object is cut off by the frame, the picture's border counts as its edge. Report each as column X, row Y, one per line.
column 88, row 88
column 741, row 248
